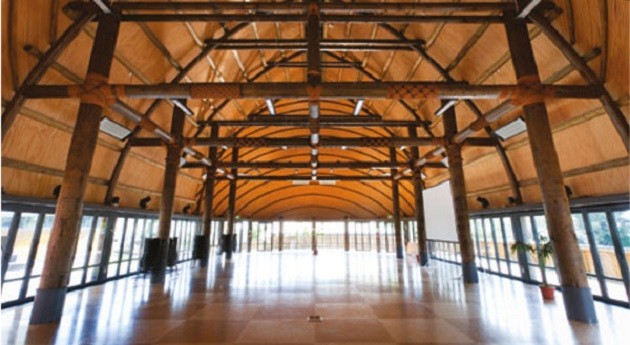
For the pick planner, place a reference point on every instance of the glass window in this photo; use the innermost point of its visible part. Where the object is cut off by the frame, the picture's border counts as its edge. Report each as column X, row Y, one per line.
column 612, row 270
column 117, row 241
column 127, row 245
column 40, row 256
column 6, row 218
column 96, row 251
column 76, row 276
column 622, row 222
column 17, row 263
column 515, row 269
column 500, row 245
column 582, row 238
column 490, row 244
column 138, row 244
column 528, row 237
column 540, row 227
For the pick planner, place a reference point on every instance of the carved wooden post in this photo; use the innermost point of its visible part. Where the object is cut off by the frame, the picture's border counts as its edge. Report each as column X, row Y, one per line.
column 578, row 301
column 173, row 155
column 231, row 207
column 396, row 207
column 51, row 293
column 458, row 190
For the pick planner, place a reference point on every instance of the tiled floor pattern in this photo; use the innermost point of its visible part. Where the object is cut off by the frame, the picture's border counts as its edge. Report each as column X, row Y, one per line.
column 364, row 298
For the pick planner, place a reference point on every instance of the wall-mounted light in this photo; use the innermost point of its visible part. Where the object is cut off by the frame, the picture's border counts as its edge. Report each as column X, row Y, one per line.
column 144, row 202
column 57, row 191
column 483, row 201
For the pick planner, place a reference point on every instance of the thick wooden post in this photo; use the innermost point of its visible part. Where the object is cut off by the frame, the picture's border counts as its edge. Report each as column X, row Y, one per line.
column 396, row 207
column 458, row 191
column 346, row 234
column 51, row 293
column 173, row 155
column 578, row 301
column 231, row 207
column 208, row 189
column 280, row 234
column 314, row 237
column 418, row 188
column 249, row 236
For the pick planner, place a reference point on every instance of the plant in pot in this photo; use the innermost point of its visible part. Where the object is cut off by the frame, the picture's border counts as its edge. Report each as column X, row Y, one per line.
column 543, row 251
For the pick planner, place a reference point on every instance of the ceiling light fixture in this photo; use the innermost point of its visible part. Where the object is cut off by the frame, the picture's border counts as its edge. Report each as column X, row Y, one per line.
column 114, row 129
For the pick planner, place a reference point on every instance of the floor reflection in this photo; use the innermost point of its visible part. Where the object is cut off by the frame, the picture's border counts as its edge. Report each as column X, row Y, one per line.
column 266, row 297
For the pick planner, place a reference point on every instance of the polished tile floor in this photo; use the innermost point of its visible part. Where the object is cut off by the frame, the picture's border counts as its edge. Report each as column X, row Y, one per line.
column 363, row 298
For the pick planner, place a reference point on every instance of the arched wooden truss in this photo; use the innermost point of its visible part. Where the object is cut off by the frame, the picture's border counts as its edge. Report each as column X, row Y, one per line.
column 381, row 45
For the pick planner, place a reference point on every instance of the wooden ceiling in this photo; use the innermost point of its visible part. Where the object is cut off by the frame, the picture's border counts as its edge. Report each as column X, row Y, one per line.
column 593, row 158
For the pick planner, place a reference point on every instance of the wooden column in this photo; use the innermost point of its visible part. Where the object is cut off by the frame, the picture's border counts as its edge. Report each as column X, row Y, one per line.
column 346, row 234
column 280, row 234
column 249, row 236
column 396, row 207
column 231, row 206
column 167, row 202
column 208, row 189
column 418, row 188
column 314, row 237
column 460, row 203
column 51, row 293
column 578, row 301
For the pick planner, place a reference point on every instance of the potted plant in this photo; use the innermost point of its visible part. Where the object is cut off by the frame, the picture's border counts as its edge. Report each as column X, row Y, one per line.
column 543, row 250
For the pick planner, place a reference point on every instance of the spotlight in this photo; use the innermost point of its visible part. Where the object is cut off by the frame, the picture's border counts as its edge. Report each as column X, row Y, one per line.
column 569, row 191
column 186, row 209
column 483, row 201
column 144, row 201
column 57, row 191
column 115, row 201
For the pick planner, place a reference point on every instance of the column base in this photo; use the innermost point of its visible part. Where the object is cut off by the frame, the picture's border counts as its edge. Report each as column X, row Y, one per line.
column 578, row 304
column 424, row 259
column 158, row 273
column 48, row 306
column 469, row 271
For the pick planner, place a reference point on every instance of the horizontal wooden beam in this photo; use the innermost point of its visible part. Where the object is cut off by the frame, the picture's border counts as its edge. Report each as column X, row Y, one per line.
column 288, row 178
column 307, row 165
column 302, row 44
column 358, row 6
column 305, row 142
column 325, row 121
column 341, row 90
column 330, row 18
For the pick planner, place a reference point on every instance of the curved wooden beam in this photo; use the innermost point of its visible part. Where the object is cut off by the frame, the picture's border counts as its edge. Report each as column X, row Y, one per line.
column 292, row 197
column 616, row 116
column 471, row 105
column 37, row 72
column 113, row 181
column 315, row 206
column 292, row 186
